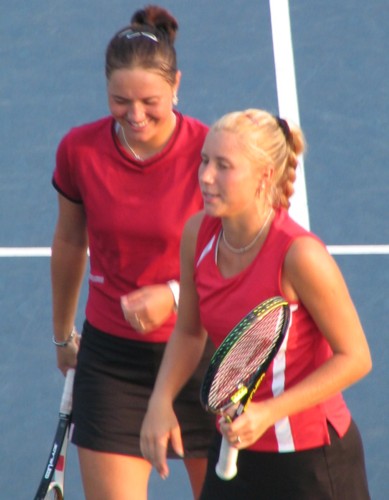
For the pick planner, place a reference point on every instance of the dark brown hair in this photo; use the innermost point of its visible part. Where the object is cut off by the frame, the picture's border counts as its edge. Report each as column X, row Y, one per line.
column 147, row 42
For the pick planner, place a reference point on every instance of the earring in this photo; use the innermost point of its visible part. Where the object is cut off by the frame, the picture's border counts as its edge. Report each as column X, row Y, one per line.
column 175, row 99
column 259, row 190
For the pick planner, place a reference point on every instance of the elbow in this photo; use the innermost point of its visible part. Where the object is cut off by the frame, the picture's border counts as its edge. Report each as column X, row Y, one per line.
column 365, row 364
column 368, row 364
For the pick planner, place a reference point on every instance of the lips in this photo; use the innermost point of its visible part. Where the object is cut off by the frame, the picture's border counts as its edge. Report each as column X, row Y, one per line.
column 138, row 125
column 209, row 197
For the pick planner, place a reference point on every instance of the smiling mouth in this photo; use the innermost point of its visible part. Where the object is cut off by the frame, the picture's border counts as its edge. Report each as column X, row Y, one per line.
column 138, row 125
column 209, row 196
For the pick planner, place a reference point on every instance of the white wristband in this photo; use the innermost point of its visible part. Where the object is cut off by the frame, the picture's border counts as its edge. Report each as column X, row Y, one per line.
column 175, row 289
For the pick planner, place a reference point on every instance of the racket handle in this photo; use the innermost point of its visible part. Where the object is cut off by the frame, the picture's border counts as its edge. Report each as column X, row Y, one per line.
column 67, row 395
column 226, row 467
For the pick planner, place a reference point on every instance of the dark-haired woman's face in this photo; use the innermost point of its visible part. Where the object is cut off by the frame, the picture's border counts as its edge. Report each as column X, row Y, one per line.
column 141, row 101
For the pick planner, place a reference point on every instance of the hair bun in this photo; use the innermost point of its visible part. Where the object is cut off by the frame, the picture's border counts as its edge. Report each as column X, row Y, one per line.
column 158, row 18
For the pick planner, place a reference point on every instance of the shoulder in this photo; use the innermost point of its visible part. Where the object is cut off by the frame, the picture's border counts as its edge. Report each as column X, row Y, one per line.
column 192, row 226
column 306, row 248
column 309, row 267
column 189, row 237
column 88, row 131
column 191, row 125
column 199, row 229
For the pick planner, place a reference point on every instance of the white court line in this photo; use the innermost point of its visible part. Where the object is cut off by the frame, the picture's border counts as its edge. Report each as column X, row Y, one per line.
column 25, row 252
column 333, row 249
column 358, row 249
column 288, row 108
column 287, row 96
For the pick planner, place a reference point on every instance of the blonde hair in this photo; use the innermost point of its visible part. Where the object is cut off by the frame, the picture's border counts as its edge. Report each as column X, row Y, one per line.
column 268, row 140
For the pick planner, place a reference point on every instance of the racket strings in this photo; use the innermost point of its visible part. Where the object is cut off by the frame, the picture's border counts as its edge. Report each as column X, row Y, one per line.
column 245, row 358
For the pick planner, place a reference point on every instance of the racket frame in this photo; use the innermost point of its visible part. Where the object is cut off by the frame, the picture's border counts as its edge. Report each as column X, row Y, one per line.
column 53, row 475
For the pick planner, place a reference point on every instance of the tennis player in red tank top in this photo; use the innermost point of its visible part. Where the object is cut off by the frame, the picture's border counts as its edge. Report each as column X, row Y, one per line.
column 296, row 439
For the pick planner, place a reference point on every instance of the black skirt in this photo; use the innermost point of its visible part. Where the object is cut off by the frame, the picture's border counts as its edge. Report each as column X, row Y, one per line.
column 332, row 472
column 113, row 383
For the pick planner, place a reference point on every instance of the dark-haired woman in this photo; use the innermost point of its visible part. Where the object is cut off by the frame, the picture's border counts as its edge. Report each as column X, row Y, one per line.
column 126, row 185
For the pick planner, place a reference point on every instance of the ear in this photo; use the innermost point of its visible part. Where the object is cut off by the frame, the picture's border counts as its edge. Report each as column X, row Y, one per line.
column 265, row 180
column 176, row 85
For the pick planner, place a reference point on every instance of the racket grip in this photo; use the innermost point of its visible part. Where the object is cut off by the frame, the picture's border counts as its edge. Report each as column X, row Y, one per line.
column 67, row 395
column 226, row 467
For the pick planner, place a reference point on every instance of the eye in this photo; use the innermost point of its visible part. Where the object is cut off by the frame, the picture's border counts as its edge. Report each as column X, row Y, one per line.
column 120, row 100
column 222, row 165
column 151, row 102
column 204, row 159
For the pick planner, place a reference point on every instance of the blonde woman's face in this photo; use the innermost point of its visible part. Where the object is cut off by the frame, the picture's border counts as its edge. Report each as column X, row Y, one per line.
column 228, row 180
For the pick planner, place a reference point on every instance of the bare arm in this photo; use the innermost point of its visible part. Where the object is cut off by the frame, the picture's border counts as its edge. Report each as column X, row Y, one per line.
column 68, row 262
column 312, row 275
column 182, row 355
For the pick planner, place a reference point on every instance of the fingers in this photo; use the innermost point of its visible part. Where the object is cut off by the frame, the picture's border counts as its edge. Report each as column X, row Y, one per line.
column 132, row 316
column 67, row 358
column 155, row 453
column 236, row 440
column 232, row 432
column 248, row 427
column 158, row 428
column 176, row 442
column 139, row 324
column 147, row 308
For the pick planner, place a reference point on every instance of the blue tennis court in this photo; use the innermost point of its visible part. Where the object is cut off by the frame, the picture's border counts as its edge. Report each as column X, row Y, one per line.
column 52, row 78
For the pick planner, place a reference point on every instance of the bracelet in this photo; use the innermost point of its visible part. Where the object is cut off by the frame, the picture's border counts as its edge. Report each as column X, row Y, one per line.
column 64, row 343
column 175, row 289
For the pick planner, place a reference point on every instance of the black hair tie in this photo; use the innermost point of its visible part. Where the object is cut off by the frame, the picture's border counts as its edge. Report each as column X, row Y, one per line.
column 283, row 124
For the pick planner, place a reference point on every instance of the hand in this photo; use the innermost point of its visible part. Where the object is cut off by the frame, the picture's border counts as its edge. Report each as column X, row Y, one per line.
column 246, row 429
column 148, row 308
column 67, row 356
column 159, row 426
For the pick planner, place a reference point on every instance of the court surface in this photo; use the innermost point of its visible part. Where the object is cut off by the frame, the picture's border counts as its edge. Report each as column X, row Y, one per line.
column 51, row 78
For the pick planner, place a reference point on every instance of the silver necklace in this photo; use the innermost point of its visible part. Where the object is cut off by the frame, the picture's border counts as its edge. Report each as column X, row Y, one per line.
column 250, row 245
column 136, row 156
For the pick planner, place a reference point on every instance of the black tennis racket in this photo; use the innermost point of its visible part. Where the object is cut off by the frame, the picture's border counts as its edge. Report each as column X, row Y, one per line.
column 52, row 483
column 239, row 365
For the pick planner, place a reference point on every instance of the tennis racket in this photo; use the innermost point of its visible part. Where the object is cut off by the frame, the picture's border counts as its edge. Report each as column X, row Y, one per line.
column 238, row 367
column 52, row 483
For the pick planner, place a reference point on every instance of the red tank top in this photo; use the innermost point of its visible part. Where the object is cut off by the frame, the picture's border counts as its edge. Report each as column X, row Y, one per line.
column 224, row 301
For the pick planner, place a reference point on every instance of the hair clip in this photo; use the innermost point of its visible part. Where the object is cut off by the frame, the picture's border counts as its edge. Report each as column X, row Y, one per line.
column 252, row 118
column 130, row 33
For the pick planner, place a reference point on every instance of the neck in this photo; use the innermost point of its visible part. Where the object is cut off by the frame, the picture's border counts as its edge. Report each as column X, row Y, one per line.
column 125, row 143
column 142, row 151
column 246, row 248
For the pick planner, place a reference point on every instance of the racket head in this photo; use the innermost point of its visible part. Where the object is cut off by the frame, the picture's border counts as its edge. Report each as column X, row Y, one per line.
column 240, row 362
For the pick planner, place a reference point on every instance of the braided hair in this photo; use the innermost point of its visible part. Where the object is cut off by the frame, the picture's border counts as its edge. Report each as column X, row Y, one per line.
column 268, row 140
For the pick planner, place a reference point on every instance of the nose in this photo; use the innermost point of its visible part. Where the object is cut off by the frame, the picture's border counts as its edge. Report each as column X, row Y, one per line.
column 136, row 112
column 206, row 173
